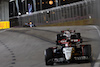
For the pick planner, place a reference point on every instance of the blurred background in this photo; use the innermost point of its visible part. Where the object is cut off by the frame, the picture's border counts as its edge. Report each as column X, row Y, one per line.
column 44, row 12
column 96, row 12
column 24, row 47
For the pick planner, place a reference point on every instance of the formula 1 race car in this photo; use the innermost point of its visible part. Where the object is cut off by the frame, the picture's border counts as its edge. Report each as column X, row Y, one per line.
column 67, row 31
column 68, row 49
column 67, row 53
column 28, row 25
column 73, row 38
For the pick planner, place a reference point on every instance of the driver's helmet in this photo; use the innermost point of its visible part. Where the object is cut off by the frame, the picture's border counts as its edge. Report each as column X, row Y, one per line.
column 66, row 32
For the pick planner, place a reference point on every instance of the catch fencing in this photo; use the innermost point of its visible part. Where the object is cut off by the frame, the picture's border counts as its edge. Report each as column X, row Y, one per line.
column 69, row 12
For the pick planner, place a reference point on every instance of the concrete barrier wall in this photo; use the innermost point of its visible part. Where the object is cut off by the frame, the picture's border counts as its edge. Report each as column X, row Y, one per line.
column 70, row 12
column 4, row 14
column 96, row 13
column 4, row 10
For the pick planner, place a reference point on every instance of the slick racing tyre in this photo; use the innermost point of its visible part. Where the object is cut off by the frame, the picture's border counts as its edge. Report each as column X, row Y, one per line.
column 57, row 43
column 60, row 37
column 87, row 52
column 81, row 40
column 49, row 56
column 79, row 35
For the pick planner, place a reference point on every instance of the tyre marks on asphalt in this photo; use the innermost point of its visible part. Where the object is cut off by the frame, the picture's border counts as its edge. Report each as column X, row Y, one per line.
column 11, row 53
column 41, row 37
column 46, row 30
column 35, row 35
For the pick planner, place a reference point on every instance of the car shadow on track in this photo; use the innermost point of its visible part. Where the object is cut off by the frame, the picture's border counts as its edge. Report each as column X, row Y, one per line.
column 73, row 63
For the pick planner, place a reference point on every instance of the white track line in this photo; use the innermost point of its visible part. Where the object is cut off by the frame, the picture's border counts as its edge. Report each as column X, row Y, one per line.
column 97, row 64
column 4, row 30
column 96, row 27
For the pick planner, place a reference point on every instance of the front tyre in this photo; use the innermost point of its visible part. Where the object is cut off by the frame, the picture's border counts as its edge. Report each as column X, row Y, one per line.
column 87, row 52
column 49, row 56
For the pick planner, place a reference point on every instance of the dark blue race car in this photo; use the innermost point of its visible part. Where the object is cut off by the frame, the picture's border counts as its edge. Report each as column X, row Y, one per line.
column 28, row 25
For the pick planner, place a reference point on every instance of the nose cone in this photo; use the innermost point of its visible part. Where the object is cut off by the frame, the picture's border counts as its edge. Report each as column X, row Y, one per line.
column 67, row 51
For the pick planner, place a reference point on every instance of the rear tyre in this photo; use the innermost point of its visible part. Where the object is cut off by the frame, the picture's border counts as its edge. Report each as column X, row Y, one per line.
column 58, row 36
column 49, row 57
column 81, row 40
column 79, row 35
column 57, row 43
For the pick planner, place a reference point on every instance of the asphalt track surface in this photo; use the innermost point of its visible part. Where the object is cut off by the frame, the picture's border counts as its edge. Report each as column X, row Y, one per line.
column 24, row 47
